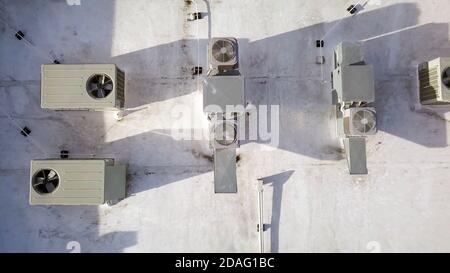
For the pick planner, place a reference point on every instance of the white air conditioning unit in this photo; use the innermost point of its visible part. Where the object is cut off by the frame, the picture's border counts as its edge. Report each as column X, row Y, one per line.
column 82, row 87
column 360, row 121
column 76, row 181
column 434, row 82
column 223, row 54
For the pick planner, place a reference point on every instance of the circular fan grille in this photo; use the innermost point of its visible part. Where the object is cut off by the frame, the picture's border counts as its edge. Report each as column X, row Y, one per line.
column 45, row 181
column 446, row 77
column 364, row 121
column 225, row 133
column 223, row 51
column 99, row 86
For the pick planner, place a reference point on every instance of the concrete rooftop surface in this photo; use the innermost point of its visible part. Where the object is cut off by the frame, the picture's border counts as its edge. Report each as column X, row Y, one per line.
column 311, row 203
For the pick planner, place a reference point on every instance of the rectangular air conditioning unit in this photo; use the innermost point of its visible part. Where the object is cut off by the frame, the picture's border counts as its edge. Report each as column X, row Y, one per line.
column 434, row 82
column 82, row 87
column 76, row 181
column 360, row 121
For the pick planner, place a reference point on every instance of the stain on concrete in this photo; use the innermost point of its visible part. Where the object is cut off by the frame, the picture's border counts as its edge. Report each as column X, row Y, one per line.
column 197, row 154
column 50, row 234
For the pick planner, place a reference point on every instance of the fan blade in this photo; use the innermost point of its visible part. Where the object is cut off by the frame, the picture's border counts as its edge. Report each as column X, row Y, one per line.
column 39, row 176
column 40, row 181
column 50, row 187
column 51, row 174
column 359, row 127
column 53, row 178
column 101, row 93
column 92, row 90
column 229, row 55
column 103, row 79
column 446, row 81
column 95, row 80
column 92, row 85
column 359, row 115
column 447, row 72
column 108, row 86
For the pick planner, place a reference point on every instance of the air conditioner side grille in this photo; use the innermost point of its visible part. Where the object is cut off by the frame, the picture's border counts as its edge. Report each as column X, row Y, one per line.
column 120, row 85
column 429, row 83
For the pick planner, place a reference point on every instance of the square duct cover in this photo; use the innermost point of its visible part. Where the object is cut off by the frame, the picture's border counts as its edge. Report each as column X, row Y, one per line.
column 354, row 83
column 222, row 91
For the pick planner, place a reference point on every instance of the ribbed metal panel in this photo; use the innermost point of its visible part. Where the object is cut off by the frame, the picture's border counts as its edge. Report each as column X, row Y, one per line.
column 63, row 87
column 81, row 182
column 120, row 88
column 429, row 84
